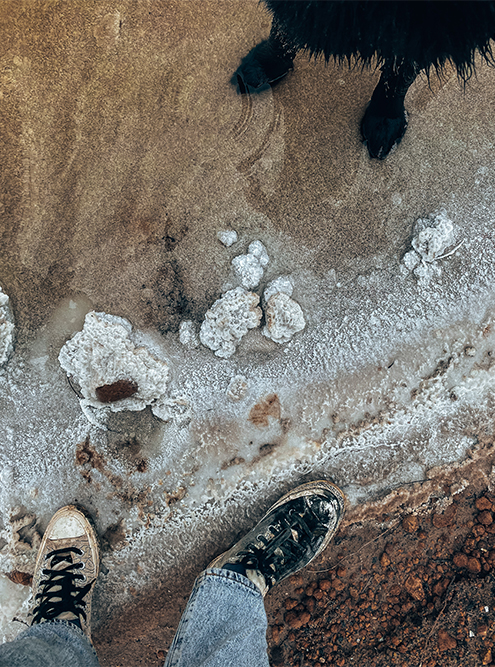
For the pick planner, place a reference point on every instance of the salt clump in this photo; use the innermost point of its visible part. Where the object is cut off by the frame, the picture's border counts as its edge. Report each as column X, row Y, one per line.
column 431, row 237
column 188, row 335
column 284, row 318
column 249, row 268
column 6, row 328
column 104, row 357
column 281, row 284
column 227, row 238
column 228, row 320
column 237, row 388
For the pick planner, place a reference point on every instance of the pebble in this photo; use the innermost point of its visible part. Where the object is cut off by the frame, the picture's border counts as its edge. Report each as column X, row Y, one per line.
column 410, row 524
column 445, row 641
column 295, row 620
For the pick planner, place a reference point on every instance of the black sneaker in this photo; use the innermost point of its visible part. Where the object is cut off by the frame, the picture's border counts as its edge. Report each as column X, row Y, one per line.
column 66, row 569
column 290, row 535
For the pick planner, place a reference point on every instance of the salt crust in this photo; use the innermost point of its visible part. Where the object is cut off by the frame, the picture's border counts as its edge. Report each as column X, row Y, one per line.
column 282, row 284
column 431, row 237
column 284, row 318
column 229, row 319
column 187, row 334
column 228, row 238
column 6, row 328
column 237, row 388
column 249, row 268
column 104, row 352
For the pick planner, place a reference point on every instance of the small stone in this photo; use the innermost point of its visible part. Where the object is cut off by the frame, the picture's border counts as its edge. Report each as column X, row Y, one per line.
column 485, row 518
column 487, row 658
column 187, row 334
column 445, row 519
column 481, row 630
column 228, row 238
column 237, row 388
column 483, row 504
column 410, row 524
column 384, row 560
column 290, row 603
column 474, row 565
column 460, row 560
column 325, row 584
column 414, row 587
column 297, row 620
column 469, row 351
column 445, row 641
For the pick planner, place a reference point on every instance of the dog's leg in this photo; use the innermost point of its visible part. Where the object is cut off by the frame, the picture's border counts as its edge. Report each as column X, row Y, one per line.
column 385, row 120
column 267, row 63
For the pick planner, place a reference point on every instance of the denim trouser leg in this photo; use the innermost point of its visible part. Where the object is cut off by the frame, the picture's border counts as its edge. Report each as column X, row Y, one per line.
column 50, row 644
column 224, row 624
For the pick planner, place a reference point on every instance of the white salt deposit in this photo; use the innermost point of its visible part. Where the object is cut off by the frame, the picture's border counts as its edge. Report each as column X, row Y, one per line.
column 187, row 334
column 13, row 598
column 228, row 320
column 104, row 353
column 284, row 318
column 249, row 268
column 237, row 388
column 431, row 238
column 6, row 328
column 282, row 284
column 228, row 238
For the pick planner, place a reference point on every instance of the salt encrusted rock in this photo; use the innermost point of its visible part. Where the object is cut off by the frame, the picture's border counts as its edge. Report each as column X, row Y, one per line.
column 284, row 318
column 188, row 335
column 103, row 354
column 6, row 328
column 228, row 238
column 431, row 237
column 281, row 284
column 237, row 388
column 249, row 268
column 228, row 320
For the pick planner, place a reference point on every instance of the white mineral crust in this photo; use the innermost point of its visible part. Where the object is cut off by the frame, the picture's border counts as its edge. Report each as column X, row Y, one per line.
column 281, row 284
column 103, row 353
column 284, row 318
column 187, row 334
column 228, row 238
column 228, row 320
column 431, row 237
column 6, row 328
column 249, row 268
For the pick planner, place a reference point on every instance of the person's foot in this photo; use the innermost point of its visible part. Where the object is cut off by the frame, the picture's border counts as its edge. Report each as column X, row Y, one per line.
column 292, row 533
column 66, row 570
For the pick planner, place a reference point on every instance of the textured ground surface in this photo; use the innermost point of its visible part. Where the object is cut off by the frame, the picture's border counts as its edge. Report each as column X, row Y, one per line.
column 124, row 151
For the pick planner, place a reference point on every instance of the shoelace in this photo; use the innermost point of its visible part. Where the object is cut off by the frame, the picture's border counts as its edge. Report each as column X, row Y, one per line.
column 265, row 559
column 67, row 596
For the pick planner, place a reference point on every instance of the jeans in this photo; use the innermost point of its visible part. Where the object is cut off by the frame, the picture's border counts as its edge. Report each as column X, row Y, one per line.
column 224, row 624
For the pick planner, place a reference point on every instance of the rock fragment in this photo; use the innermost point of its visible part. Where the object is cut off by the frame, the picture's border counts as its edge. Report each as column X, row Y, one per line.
column 237, row 388
column 110, row 369
column 187, row 334
column 284, row 318
column 6, row 328
column 228, row 320
column 249, row 268
column 228, row 238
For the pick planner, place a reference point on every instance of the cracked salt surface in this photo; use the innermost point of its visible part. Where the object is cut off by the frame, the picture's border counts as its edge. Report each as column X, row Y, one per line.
column 388, row 379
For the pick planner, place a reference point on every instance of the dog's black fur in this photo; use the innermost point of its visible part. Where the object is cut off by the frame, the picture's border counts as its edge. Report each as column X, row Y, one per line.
column 402, row 37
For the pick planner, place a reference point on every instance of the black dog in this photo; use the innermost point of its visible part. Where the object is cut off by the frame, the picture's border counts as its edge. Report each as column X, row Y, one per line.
column 402, row 37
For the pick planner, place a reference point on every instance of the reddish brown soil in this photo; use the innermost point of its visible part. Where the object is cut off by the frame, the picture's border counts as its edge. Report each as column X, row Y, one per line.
column 408, row 581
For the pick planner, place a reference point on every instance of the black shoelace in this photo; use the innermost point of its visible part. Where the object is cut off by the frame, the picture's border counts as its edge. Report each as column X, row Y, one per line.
column 289, row 549
column 67, row 597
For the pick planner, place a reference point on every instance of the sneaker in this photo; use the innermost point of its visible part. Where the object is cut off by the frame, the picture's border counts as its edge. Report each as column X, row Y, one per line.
column 290, row 535
column 66, row 569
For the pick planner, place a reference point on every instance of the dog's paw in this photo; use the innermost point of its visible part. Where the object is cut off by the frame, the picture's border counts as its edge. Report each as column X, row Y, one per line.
column 261, row 67
column 380, row 134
